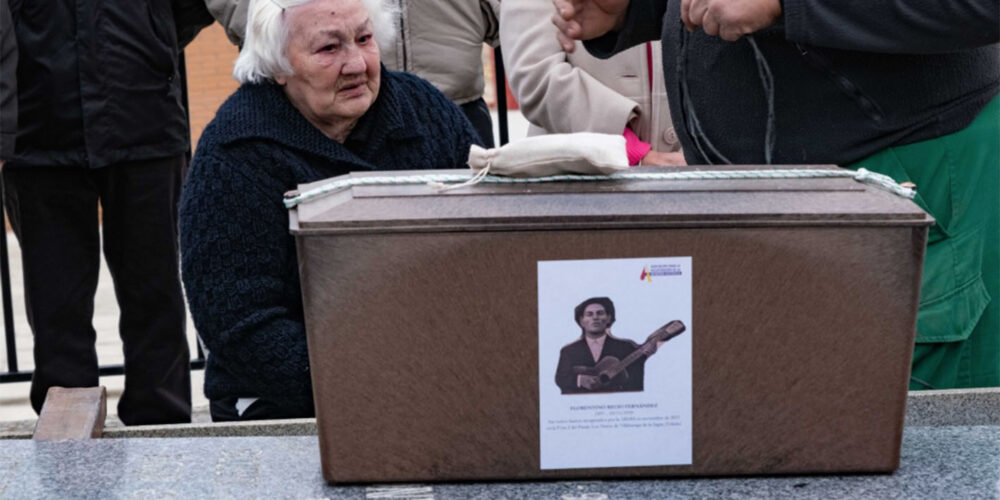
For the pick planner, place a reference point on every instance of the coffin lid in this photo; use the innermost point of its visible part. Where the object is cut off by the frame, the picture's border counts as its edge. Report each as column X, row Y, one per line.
column 603, row 204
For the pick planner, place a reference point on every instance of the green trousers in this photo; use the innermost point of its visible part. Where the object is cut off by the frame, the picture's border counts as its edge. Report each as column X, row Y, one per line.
column 958, row 183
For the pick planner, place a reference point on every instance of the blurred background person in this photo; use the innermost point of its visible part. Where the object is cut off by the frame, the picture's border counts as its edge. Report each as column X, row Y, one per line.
column 577, row 92
column 101, row 124
column 442, row 42
column 8, row 84
column 909, row 91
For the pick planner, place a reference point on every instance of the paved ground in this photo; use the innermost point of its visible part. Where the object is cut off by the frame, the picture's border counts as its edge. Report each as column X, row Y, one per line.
column 14, row 397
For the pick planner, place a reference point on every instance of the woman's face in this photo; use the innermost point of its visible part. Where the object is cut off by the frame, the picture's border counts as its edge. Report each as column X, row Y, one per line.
column 335, row 63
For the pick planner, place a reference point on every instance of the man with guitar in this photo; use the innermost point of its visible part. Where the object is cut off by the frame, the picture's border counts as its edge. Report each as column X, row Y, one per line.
column 599, row 362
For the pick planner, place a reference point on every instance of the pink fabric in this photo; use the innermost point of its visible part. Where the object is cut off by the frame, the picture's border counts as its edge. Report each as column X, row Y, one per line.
column 634, row 146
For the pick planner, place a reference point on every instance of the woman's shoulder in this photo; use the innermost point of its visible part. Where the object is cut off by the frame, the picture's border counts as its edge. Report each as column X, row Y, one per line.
column 249, row 107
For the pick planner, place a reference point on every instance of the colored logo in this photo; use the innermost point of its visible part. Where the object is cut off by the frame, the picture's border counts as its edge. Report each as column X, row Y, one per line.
column 659, row 270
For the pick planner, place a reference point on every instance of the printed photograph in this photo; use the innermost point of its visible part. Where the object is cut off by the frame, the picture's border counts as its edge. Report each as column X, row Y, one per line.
column 615, row 362
column 599, row 361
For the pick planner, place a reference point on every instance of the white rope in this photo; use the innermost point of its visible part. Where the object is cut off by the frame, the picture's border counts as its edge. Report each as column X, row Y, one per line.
column 475, row 179
column 438, row 181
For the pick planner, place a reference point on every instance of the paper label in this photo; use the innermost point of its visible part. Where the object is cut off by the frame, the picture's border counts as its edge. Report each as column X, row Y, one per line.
column 631, row 406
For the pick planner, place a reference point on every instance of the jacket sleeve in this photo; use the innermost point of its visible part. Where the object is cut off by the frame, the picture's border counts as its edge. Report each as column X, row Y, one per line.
column 190, row 17
column 551, row 92
column 232, row 15
column 643, row 23
column 236, row 254
column 893, row 26
column 565, row 378
column 491, row 15
column 8, row 82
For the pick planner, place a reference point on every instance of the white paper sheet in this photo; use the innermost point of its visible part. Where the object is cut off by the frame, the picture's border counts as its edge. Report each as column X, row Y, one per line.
column 629, row 427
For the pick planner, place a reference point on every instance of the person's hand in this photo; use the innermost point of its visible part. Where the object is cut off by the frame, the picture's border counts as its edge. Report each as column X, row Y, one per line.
column 589, row 382
column 586, row 19
column 651, row 348
column 729, row 19
column 661, row 158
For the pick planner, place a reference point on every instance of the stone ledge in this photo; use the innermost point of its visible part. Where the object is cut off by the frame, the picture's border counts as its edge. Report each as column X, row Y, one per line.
column 953, row 407
column 924, row 408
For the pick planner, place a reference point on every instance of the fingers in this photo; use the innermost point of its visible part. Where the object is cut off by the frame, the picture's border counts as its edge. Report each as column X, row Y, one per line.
column 710, row 24
column 564, row 9
column 686, row 14
column 566, row 43
column 696, row 12
column 727, row 19
column 729, row 33
column 673, row 159
column 663, row 159
column 567, row 29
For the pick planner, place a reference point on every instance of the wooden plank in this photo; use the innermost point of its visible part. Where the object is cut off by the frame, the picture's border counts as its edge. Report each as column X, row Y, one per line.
column 72, row 413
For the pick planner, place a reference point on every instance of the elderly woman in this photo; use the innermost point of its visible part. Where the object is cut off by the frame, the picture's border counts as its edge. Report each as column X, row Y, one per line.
column 315, row 103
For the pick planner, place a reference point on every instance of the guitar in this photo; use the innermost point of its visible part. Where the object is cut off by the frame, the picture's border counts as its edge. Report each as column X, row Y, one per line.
column 610, row 369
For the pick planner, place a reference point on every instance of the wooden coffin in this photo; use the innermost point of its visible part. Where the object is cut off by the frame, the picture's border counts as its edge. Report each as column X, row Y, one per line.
column 422, row 320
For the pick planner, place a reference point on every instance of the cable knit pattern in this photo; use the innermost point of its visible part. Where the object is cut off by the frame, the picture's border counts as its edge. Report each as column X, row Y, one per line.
column 239, row 263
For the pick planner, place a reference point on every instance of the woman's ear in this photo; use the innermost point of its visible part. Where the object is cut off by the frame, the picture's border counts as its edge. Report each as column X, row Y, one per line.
column 281, row 80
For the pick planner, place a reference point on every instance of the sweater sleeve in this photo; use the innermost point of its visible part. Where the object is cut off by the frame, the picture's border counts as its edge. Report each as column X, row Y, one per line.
column 551, row 92
column 643, row 23
column 239, row 272
column 446, row 121
column 8, row 82
column 893, row 26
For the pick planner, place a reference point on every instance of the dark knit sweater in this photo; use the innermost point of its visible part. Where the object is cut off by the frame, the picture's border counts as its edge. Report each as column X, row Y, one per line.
column 239, row 263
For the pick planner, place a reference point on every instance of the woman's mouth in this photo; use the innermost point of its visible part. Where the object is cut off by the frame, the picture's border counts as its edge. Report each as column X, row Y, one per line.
column 352, row 89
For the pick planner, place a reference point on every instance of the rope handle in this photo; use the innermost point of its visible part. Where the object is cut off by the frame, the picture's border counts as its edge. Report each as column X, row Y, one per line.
column 440, row 181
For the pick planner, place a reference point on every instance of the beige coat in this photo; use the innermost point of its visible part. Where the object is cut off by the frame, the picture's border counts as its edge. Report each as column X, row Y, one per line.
column 560, row 93
column 442, row 42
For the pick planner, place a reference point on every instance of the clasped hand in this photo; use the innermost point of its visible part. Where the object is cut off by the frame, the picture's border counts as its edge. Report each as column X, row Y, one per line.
column 727, row 19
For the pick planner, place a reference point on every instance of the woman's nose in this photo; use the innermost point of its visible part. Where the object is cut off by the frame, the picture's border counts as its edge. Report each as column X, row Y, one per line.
column 355, row 62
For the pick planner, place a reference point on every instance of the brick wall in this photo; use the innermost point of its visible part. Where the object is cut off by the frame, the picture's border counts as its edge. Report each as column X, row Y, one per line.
column 209, row 61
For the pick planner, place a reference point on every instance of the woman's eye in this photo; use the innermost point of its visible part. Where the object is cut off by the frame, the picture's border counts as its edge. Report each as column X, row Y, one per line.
column 365, row 39
column 328, row 48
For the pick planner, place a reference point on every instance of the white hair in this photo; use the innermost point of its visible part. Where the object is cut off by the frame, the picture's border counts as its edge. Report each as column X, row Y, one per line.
column 264, row 57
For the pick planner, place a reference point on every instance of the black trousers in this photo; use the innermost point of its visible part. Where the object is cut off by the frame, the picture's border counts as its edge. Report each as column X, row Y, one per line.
column 54, row 213
column 477, row 113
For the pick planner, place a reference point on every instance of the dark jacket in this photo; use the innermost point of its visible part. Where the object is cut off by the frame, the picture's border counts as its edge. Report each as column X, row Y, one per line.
column 578, row 354
column 8, row 83
column 98, row 82
column 851, row 77
column 238, row 259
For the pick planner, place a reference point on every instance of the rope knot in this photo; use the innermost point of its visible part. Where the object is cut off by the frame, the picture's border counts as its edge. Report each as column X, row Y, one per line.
column 884, row 181
column 441, row 187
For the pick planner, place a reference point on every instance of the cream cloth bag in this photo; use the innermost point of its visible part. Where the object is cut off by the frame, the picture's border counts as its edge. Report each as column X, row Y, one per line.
column 547, row 155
